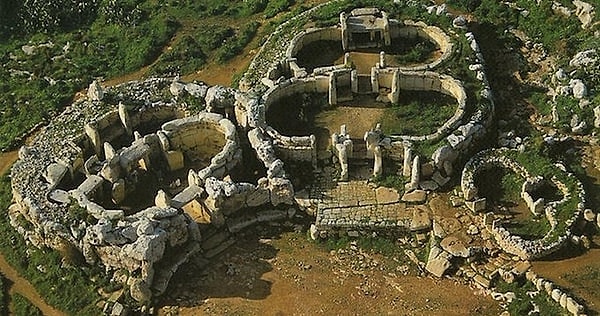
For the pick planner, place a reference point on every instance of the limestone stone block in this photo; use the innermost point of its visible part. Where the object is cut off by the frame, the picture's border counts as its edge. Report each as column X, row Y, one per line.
column 455, row 247
column 438, row 262
column 420, row 220
column 476, row 205
column 416, row 196
column 556, row 295
column 589, row 215
column 118, row 191
column 162, row 200
column 55, row 173
column 175, row 159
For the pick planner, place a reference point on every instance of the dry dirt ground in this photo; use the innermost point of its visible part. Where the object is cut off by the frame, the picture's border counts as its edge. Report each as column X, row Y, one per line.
column 279, row 271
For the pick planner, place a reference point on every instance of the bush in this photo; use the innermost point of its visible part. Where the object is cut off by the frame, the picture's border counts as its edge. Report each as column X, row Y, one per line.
column 22, row 306
column 277, row 6
column 233, row 46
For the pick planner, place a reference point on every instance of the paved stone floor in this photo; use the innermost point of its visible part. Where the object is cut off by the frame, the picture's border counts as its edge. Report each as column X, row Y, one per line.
column 357, row 203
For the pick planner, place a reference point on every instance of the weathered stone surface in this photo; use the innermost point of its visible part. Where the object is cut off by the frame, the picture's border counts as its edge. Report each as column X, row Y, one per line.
column 420, row 220
column 219, row 97
column 579, row 88
column 589, row 215
column 483, row 281
column 59, row 196
column 386, row 195
column 95, row 92
column 438, row 262
column 417, row 196
column 455, row 247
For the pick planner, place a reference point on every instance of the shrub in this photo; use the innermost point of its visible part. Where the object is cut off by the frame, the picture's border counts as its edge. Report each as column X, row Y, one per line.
column 22, row 306
column 277, row 6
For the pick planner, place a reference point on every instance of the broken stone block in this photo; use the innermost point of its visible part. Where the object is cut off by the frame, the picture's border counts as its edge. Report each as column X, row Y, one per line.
column 55, row 173
column 438, row 262
column 477, row 205
column 416, row 196
column 420, row 220
column 455, row 247
column 483, row 281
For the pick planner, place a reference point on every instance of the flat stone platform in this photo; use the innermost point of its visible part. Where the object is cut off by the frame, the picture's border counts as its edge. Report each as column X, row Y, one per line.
column 362, row 205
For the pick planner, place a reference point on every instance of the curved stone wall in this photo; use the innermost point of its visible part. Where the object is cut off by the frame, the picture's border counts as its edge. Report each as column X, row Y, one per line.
column 410, row 29
column 310, row 36
column 427, row 81
column 559, row 232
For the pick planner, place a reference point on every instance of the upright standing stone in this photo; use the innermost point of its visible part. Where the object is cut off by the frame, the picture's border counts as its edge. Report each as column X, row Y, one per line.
column 407, row 161
column 95, row 92
column 382, row 59
column 332, row 89
column 94, row 137
column 109, row 151
column 416, row 172
column 125, row 120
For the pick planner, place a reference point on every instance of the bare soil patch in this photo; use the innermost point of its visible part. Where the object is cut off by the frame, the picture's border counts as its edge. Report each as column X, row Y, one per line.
column 287, row 274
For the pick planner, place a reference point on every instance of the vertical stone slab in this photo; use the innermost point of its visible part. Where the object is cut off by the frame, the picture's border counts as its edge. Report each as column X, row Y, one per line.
column 406, row 170
column 125, row 119
column 354, row 81
column 332, row 89
column 416, row 172
column 374, row 80
column 94, row 135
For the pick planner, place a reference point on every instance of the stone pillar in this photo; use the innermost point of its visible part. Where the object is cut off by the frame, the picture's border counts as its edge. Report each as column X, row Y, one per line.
column 407, row 160
column 394, row 96
column 347, row 60
column 378, row 163
column 95, row 92
column 354, row 81
column 137, row 135
column 374, row 80
column 162, row 200
column 125, row 120
column 332, row 89
column 109, row 151
column 382, row 59
column 387, row 38
column 345, row 35
column 342, row 146
column 415, row 175
column 94, row 135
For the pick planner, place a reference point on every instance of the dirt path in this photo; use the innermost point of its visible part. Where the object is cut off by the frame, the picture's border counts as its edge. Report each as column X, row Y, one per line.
column 23, row 287
column 17, row 283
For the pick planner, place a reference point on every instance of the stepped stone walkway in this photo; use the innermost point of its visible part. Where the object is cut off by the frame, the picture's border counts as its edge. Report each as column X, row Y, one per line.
column 359, row 204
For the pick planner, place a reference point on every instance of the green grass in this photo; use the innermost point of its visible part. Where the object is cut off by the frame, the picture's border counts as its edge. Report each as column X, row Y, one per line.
column 418, row 113
column 392, row 181
column 522, row 304
column 3, row 296
column 21, row 306
column 69, row 289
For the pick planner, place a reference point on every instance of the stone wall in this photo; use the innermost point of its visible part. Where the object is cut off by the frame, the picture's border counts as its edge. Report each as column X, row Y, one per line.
column 312, row 35
column 411, row 29
column 150, row 244
column 559, row 232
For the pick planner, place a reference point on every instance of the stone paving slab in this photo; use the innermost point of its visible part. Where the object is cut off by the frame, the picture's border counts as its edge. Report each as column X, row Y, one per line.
column 358, row 204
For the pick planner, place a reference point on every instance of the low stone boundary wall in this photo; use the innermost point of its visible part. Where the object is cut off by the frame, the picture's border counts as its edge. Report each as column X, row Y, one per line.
column 558, row 234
